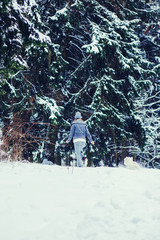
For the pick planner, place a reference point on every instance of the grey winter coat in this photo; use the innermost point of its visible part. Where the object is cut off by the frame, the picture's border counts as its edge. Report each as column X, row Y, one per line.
column 79, row 131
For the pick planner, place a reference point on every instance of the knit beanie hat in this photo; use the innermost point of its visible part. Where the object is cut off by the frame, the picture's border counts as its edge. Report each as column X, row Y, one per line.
column 78, row 115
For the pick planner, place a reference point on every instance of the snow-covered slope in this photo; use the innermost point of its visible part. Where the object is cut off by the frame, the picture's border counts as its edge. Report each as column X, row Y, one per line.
column 40, row 202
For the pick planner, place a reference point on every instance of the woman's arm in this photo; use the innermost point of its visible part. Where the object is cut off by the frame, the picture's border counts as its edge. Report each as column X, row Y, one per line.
column 89, row 136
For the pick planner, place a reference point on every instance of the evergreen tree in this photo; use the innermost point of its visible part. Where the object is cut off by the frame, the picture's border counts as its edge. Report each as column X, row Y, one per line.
column 63, row 56
column 106, row 73
column 148, row 104
column 28, row 84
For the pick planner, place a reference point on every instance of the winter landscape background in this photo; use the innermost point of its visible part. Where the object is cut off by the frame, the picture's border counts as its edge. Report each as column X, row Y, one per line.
column 101, row 57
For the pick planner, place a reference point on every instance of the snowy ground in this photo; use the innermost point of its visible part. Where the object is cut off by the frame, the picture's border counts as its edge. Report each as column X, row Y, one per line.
column 39, row 202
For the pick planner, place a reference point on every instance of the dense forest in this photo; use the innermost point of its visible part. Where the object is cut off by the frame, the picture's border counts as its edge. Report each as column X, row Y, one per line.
column 100, row 57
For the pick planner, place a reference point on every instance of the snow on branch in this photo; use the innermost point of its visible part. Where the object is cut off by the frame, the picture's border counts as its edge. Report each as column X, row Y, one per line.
column 80, row 65
column 50, row 106
column 34, row 33
column 60, row 13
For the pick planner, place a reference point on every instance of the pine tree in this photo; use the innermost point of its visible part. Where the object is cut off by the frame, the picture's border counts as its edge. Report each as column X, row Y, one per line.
column 27, row 76
column 87, row 55
column 107, row 73
column 148, row 104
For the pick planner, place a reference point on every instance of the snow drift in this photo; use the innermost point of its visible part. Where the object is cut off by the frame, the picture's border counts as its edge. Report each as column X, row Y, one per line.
column 40, row 202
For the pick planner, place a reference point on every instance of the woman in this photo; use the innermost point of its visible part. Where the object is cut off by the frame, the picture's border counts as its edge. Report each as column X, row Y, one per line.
column 79, row 132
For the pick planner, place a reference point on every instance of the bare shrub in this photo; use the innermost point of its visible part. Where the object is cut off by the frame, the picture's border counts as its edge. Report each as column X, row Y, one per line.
column 19, row 136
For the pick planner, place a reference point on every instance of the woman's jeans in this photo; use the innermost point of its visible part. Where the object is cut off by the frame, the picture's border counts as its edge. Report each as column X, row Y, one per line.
column 78, row 147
